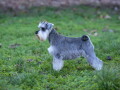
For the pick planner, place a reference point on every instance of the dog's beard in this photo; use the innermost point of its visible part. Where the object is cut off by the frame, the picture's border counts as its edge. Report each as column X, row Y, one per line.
column 43, row 35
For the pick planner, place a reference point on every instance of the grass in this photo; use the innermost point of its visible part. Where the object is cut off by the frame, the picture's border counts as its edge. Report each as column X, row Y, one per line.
column 26, row 65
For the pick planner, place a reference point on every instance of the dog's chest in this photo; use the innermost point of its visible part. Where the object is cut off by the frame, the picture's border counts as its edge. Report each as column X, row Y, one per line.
column 51, row 50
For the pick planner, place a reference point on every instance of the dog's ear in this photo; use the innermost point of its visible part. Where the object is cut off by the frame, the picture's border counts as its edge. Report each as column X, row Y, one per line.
column 39, row 24
column 50, row 26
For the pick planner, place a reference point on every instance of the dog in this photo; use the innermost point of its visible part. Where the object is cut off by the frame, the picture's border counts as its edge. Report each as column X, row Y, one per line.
column 67, row 48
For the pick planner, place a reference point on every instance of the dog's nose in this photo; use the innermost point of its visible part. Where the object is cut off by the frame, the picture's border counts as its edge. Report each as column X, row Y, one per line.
column 36, row 32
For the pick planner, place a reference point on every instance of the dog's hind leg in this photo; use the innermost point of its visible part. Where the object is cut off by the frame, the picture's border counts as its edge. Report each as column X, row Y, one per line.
column 95, row 62
column 57, row 64
column 90, row 55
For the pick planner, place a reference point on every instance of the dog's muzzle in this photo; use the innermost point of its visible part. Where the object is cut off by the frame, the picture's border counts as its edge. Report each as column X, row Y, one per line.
column 38, row 36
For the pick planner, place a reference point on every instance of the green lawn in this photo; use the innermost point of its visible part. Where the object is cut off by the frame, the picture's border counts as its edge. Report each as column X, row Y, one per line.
column 26, row 65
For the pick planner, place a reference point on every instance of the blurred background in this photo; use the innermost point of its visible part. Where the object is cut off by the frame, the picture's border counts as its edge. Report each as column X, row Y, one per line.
column 15, row 5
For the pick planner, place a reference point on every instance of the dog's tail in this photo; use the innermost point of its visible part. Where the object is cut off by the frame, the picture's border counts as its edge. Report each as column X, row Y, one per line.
column 84, row 38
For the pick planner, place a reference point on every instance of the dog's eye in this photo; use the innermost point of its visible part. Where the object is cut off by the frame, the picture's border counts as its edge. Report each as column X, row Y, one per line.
column 43, row 29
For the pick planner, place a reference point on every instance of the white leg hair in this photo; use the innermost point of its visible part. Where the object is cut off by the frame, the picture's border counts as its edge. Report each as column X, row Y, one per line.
column 57, row 64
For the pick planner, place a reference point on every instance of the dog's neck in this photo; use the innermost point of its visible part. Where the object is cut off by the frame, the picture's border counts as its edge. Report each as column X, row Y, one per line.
column 53, row 37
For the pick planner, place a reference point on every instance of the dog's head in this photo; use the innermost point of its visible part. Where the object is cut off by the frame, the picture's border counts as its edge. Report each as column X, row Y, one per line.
column 44, row 30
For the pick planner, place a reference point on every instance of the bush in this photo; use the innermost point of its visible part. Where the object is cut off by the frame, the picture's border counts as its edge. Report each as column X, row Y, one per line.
column 108, row 78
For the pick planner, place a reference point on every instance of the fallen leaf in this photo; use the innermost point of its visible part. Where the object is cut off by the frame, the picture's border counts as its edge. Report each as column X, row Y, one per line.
column 108, row 30
column 107, row 17
column 14, row 45
column 93, row 33
column 111, row 30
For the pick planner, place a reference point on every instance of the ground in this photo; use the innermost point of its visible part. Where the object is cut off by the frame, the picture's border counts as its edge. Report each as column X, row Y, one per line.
column 26, row 65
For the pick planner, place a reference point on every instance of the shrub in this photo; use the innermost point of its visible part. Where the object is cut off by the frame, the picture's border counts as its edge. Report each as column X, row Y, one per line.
column 108, row 78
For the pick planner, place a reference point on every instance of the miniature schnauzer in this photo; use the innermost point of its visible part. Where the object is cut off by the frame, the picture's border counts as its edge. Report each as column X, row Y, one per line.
column 66, row 48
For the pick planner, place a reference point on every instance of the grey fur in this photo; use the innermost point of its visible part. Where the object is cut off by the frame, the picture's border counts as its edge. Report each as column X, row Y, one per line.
column 65, row 48
column 70, row 48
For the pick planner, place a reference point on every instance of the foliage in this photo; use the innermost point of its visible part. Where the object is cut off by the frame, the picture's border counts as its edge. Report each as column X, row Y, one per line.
column 26, row 64
column 108, row 78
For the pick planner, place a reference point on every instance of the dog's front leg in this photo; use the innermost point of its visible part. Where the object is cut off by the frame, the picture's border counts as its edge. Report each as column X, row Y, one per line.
column 57, row 64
